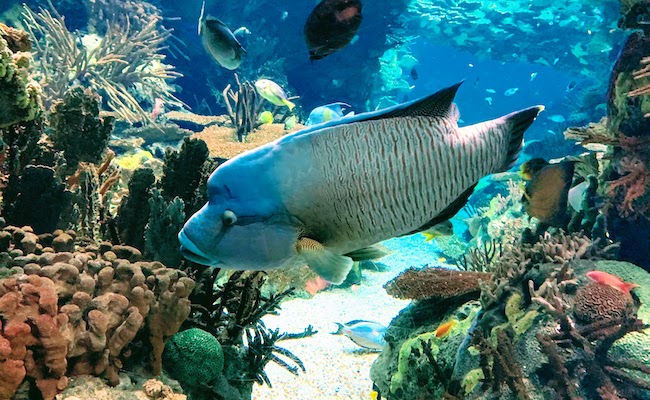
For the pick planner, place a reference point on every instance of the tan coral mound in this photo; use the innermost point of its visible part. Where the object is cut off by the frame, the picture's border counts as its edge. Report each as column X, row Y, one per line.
column 68, row 312
column 222, row 141
column 435, row 284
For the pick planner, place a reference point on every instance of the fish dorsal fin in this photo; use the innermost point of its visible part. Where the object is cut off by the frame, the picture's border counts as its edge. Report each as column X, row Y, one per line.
column 439, row 104
column 201, row 16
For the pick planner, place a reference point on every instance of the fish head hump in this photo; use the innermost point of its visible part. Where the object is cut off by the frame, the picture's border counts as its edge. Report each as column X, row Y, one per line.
column 243, row 225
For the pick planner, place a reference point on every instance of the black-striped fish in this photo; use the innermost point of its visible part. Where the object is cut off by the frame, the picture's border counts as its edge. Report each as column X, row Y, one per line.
column 322, row 196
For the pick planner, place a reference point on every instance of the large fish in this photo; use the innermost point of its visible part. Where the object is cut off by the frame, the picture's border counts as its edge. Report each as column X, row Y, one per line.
column 321, row 196
column 219, row 41
column 331, row 26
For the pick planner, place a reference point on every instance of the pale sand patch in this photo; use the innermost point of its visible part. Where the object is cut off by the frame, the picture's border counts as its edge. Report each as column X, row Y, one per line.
column 336, row 367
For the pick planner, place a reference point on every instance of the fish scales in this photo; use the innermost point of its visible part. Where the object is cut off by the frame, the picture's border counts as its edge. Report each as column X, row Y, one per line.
column 355, row 165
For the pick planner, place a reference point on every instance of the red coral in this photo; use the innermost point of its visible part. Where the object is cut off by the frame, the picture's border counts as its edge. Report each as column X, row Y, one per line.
column 632, row 186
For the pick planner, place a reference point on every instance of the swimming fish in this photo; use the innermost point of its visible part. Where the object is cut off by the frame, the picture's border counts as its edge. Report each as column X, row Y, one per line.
column 272, row 92
column 611, row 280
column 322, row 196
column 331, row 26
column 219, row 41
column 366, row 334
column 533, row 76
column 576, row 194
column 546, row 194
column 375, row 394
column 290, row 123
column 445, row 228
column 326, row 113
column 414, row 74
column 444, row 329
column 557, row 118
column 511, row 91
column 266, row 117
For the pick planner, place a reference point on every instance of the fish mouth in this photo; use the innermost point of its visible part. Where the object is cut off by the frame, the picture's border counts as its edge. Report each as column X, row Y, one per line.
column 191, row 252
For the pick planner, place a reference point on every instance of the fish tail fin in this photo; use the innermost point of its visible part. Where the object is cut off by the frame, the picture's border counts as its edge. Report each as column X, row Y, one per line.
column 201, row 16
column 339, row 329
column 627, row 286
column 515, row 124
column 428, row 236
column 289, row 104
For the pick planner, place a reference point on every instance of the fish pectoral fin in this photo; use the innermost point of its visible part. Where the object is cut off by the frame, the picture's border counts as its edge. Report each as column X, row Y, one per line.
column 332, row 267
column 374, row 252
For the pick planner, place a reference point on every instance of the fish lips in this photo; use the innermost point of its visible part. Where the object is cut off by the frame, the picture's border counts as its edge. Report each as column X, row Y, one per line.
column 191, row 252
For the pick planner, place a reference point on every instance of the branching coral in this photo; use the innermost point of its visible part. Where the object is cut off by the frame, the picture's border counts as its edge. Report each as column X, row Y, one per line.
column 123, row 63
column 247, row 106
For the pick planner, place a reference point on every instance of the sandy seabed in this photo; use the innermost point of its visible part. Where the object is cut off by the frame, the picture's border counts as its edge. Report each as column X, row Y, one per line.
column 336, row 367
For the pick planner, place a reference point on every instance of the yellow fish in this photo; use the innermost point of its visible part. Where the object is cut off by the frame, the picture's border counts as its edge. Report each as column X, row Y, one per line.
column 272, row 92
column 266, row 117
column 444, row 228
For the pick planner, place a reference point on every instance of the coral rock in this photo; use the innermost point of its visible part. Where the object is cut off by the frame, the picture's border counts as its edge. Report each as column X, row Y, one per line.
column 435, row 283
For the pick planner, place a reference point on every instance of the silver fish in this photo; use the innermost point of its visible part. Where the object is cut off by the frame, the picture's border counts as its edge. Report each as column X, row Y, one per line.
column 366, row 334
column 219, row 41
column 323, row 195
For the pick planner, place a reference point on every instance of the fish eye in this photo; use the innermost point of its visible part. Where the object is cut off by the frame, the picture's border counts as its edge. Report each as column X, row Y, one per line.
column 229, row 218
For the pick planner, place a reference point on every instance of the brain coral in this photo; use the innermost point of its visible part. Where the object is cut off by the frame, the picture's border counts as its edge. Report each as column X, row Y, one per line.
column 595, row 301
column 193, row 356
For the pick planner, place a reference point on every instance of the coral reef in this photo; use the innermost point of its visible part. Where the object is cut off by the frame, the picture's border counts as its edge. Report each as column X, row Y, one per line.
column 124, row 60
column 541, row 330
column 90, row 310
column 231, row 313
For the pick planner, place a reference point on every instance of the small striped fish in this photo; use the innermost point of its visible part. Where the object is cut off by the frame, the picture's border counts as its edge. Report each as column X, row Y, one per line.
column 324, row 195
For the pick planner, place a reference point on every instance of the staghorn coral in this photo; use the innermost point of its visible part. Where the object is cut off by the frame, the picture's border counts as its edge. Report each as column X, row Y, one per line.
column 20, row 95
column 84, row 312
column 436, row 284
column 124, row 62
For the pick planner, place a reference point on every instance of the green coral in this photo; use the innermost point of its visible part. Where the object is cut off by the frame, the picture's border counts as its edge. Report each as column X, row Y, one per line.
column 131, row 221
column 185, row 173
column 20, row 96
column 193, row 357
column 165, row 221
column 77, row 129
column 472, row 379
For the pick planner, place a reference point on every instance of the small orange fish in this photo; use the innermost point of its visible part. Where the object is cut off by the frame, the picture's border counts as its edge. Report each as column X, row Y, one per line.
column 610, row 280
column 444, row 329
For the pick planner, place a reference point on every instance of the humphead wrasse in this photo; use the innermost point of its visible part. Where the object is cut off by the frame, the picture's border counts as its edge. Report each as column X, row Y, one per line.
column 321, row 196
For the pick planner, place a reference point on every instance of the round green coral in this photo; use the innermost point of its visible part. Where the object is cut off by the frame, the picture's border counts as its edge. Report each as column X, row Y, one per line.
column 193, row 357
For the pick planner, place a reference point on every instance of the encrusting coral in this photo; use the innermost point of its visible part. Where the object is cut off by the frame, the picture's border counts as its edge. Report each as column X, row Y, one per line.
column 20, row 95
column 68, row 312
column 436, row 284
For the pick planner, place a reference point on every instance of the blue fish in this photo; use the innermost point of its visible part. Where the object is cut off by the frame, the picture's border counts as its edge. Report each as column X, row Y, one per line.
column 326, row 113
column 323, row 196
column 366, row 334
